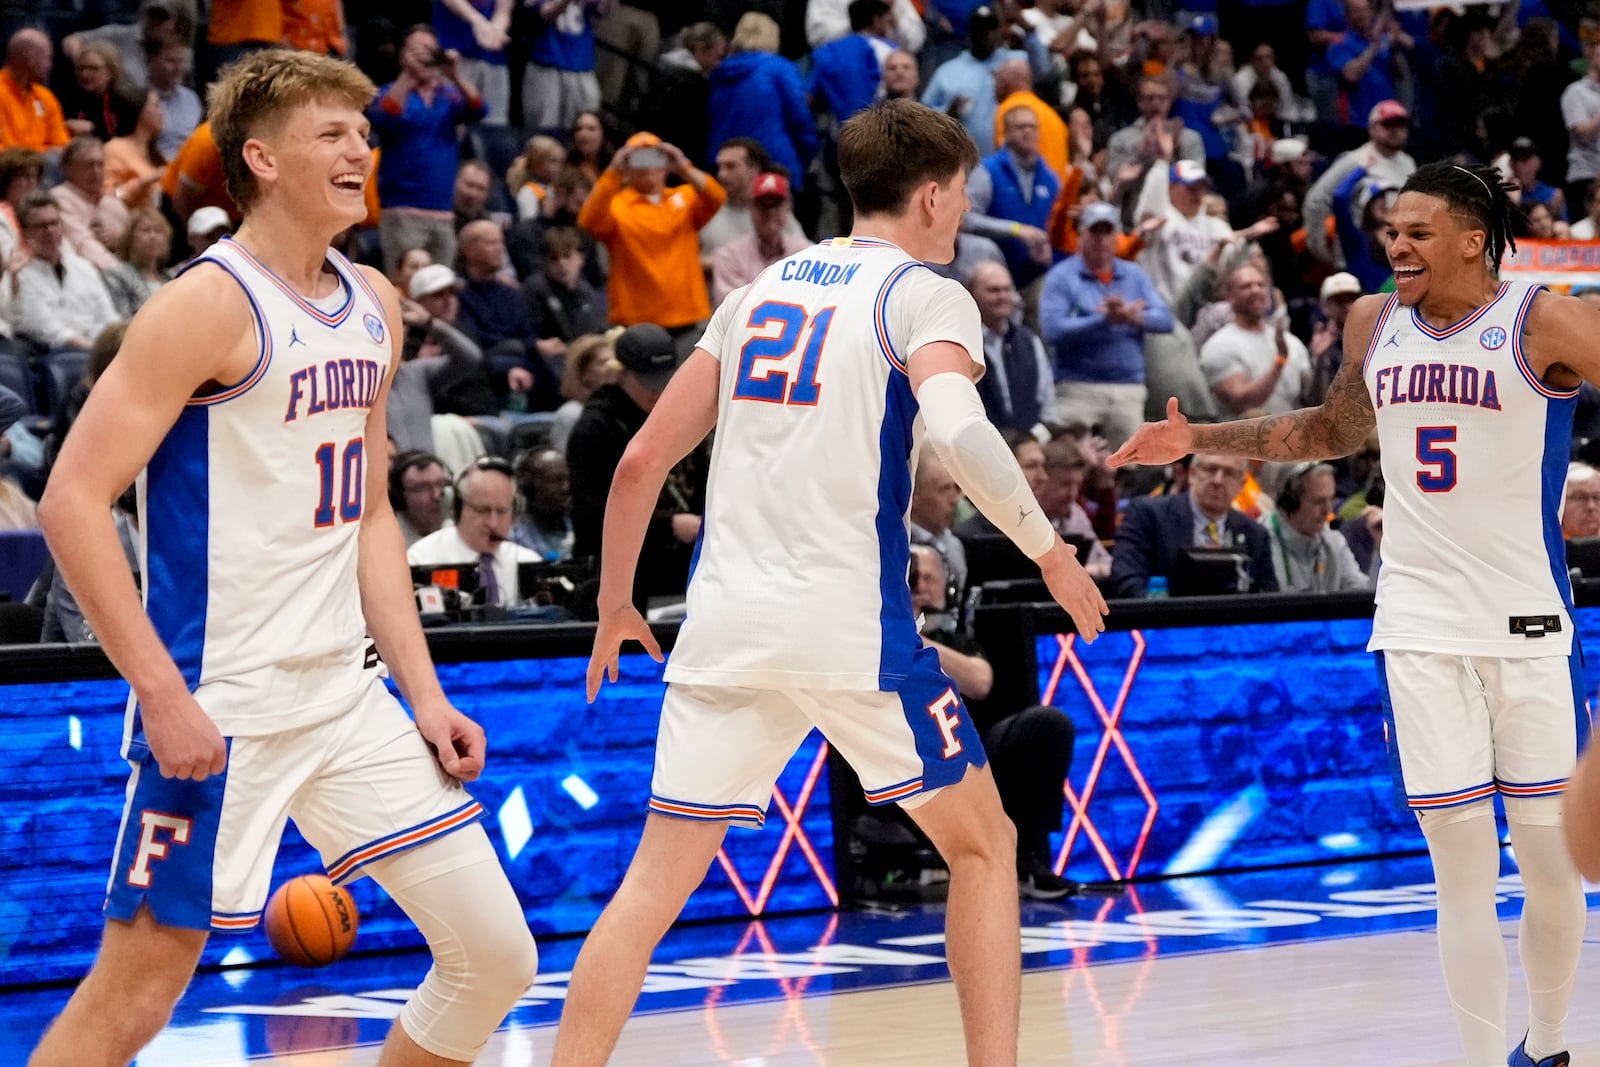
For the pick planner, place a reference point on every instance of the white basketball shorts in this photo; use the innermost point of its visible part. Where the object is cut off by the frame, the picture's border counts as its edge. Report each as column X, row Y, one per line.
column 360, row 786
column 721, row 748
column 1467, row 727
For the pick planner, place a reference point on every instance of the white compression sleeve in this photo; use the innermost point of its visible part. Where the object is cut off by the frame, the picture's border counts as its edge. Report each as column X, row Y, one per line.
column 977, row 455
column 1465, row 848
column 1550, row 936
column 484, row 957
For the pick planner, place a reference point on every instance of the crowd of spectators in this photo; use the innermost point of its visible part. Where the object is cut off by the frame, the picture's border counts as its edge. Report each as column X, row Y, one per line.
column 1172, row 201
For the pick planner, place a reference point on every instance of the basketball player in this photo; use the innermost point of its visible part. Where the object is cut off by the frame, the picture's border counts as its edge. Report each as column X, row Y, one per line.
column 1471, row 383
column 822, row 378
column 250, row 394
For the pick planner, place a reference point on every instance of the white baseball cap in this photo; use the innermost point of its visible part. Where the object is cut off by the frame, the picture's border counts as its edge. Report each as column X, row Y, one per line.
column 1099, row 213
column 209, row 220
column 1288, row 149
column 1341, row 284
column 434, row 278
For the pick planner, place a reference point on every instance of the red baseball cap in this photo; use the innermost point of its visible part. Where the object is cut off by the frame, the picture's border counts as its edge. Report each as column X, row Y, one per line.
column 1388, row 111
column 770, row 187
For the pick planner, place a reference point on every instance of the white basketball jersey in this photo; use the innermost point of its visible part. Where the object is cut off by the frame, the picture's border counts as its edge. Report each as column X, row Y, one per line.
column 1475, row 452
column 799, row 580
column 251, row 506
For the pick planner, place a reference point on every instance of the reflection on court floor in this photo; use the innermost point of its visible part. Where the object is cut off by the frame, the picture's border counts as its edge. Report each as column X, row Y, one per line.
column 1324, row 965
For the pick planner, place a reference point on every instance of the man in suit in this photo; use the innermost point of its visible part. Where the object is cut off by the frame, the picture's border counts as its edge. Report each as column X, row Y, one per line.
column 1155, row 530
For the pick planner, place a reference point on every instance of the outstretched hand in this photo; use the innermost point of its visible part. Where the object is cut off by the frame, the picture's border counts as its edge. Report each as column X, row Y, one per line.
column 616, row 626
column 1156, row 444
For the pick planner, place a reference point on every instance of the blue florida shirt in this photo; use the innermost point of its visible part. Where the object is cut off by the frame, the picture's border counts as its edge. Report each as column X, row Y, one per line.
column 424, row 136
column 567, row 42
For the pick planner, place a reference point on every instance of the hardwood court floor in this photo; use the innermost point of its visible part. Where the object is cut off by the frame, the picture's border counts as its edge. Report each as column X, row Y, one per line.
column 1362, row 1000
column 1327, row 967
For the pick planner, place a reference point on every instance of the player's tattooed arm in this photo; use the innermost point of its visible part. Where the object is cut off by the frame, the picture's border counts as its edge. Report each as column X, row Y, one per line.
column 1335, row 428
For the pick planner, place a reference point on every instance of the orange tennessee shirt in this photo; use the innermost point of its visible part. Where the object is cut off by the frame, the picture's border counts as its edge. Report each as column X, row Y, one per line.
column 315, row 26
column 655, row 249
column 200, row 165
column 238, row 21
column 31, row 117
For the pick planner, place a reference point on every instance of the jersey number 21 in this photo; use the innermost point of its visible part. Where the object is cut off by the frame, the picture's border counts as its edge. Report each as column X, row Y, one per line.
column 758, row 378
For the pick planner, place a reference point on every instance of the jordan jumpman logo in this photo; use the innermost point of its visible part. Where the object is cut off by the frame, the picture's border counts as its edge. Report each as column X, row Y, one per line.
column 294, row 337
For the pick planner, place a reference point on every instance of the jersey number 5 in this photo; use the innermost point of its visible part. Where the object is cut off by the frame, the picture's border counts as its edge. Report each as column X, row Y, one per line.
column 1430, row 453
column 759, row 381
column 352, row 483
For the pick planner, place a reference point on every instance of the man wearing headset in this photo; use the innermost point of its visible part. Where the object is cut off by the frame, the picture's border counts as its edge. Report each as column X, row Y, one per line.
column 485, row 506
column 1307, row 556
column 418, row 482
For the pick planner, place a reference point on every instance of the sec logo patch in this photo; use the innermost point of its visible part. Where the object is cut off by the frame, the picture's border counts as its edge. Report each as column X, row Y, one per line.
column 374, row 327
column 1492, row 338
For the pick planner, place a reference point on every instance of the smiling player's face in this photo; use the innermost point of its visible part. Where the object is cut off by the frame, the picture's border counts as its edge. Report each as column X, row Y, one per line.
column 322, row 163
column 1428, row 245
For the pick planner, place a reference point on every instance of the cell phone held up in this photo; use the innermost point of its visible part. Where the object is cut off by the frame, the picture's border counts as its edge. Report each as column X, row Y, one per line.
column 647, row 157
column 437, row 57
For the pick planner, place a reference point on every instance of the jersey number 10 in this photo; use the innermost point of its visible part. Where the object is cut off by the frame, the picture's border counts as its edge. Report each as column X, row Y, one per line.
column 769, row 384
column 352, row 483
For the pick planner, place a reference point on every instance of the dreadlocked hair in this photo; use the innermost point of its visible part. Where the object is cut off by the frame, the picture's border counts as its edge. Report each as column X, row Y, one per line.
column 1479, row 193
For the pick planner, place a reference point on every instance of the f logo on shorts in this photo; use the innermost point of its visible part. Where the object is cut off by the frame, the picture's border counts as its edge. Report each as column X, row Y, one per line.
column 946, row 718
column 150, row 848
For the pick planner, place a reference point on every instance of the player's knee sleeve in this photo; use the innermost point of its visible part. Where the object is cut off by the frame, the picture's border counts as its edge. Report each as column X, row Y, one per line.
column 1543, row 860
column 484, row 956
column 1433, row 821
column 1533, row 811
column 483, row 959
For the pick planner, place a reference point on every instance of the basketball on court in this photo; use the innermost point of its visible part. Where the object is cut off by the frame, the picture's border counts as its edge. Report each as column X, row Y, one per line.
column 310, row 921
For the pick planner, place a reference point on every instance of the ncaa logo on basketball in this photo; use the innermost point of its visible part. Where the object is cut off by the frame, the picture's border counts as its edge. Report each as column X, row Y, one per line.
column 1492, row 338
column 374, row 327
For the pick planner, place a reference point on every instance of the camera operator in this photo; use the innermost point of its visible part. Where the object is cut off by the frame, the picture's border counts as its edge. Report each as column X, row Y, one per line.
column 416, row 118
